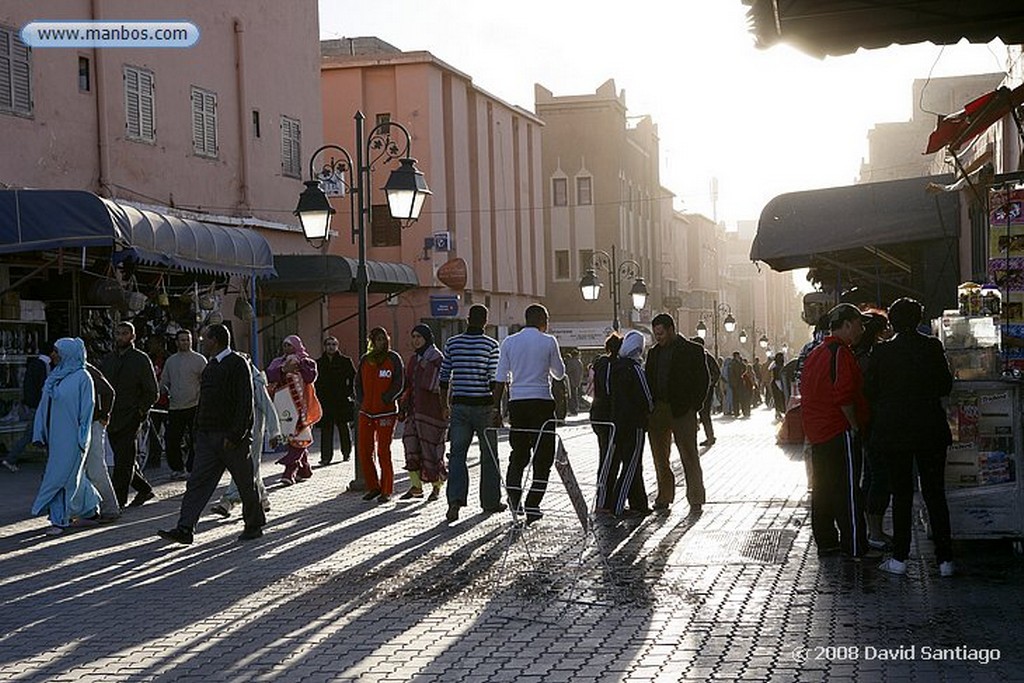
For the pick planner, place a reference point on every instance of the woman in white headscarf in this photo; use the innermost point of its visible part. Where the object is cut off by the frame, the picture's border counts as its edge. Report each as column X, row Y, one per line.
column 632, row 405
column 64, row 424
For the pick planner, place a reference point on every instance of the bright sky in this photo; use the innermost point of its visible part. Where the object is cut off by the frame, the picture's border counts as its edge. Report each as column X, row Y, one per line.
column 762, row 122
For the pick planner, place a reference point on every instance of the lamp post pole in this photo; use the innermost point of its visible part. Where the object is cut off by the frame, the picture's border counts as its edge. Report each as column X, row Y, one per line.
column 406, row 191
column 590, row 286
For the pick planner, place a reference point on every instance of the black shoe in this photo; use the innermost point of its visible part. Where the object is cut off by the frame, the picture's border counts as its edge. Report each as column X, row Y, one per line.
column 221, row 509
column 324, row 462
column 383, row 498
column 659, row 506
column 346, row 458
column 533, row 517
column 370, row 495
column 500, row 507
column 829, row 551
column 434, row 495
column 453, row 512
column 250, row 534
column 696, row 510
column 142, row 497
column 176, row 535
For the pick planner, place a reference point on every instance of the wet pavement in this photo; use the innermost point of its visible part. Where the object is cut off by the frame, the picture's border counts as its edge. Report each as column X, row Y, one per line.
column 341, row 589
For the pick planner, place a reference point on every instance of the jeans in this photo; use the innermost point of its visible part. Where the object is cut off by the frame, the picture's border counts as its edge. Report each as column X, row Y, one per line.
column 467, row 421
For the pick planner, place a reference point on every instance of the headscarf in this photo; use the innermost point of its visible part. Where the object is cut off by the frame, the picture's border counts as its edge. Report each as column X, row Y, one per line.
column 72, row 359
column 428, row 336
column 299, row 349
column 632, row 346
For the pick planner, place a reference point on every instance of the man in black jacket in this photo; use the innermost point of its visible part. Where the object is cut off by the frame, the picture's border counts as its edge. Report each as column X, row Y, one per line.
column 131, row 374
column 677, row 374
column 223, row 436
column 335, row 374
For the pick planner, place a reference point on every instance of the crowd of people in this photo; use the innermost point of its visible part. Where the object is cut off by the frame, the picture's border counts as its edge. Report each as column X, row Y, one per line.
column 871, row 388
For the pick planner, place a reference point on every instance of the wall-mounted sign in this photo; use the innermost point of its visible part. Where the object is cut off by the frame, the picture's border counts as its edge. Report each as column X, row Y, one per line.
column 442, row 241
column 444, row 305
column 453, row 273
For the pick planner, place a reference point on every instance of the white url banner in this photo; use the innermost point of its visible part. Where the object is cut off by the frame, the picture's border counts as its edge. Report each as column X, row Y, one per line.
column 98, row 34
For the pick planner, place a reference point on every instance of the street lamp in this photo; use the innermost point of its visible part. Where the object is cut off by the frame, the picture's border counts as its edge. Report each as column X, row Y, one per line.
column 590, row 285
column 743, row 337
column 763, row 341
column 729, row 323
column 406, row 190
column 702, row 329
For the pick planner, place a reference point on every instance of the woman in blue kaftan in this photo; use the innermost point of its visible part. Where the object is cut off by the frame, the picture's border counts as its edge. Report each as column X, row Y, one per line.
column 63, row 424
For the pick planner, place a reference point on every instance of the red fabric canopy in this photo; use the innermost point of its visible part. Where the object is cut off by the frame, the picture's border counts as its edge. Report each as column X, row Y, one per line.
column 977, row 116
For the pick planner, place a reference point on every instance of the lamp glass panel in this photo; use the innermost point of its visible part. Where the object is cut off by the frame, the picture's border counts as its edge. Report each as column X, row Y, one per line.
column 315, row 224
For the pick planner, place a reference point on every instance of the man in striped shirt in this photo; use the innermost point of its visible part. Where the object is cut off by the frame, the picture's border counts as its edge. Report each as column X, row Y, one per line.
column 467, row 375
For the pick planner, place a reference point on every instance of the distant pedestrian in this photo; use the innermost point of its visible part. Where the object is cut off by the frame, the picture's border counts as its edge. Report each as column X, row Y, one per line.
column 714, row 374
column 632, row 404
column 63, row 424
column 334, row 385
column 834, row 412
column 778, row 384
column 131, row 374
column 906, row 380
column 677, row 373
column 291, row 376
column 380, row 379
column 601, row 403
column 420, row 409
column 529, row 361
column 37, row 367
column 574, row 380
column 468, row 366
column 224, row 419
column 180, row 380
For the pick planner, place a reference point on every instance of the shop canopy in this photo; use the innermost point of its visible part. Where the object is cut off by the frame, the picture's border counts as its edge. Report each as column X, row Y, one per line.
column 857, row 220
column 959, row 128
column 333, row 274
column 39, row 220
column 839, row 27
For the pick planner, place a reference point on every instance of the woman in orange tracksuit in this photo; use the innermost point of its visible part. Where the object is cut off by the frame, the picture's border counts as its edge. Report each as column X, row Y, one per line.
column 380, row 380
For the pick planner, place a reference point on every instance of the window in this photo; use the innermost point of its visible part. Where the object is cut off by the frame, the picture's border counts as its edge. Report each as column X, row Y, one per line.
column 84, row 77
column 562, row 264
column 204, row 122
column 385, row 231
column 291, row 147
column 255, row 123
column 586, row 260
column 559, row 192
column 383, row 118
column 140, row 121
column 583, row 196
column 15, row 74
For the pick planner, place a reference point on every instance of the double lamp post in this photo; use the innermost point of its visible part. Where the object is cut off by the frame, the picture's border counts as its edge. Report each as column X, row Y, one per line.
column 406, row 191
column 729, row 323
column 590, row 285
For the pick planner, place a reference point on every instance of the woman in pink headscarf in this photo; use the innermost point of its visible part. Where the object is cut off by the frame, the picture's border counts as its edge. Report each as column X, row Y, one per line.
column 290, row 379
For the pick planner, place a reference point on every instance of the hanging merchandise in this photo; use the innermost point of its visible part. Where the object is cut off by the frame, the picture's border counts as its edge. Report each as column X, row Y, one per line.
column 243, row 309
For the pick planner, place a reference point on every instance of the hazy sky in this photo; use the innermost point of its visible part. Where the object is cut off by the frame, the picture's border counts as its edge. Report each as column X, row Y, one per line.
column 762, row 122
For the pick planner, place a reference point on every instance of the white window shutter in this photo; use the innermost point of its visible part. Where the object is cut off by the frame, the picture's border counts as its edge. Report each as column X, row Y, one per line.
column 131, row 100
column 147, row 120
column 210, row 119
column 197, row 121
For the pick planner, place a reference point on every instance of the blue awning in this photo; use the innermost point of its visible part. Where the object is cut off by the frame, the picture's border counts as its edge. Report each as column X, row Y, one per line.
column 38, row 220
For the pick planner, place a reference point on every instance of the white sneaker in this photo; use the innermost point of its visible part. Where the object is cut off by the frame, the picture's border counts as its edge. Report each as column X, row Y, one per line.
column 946, row 569
column 893, row 566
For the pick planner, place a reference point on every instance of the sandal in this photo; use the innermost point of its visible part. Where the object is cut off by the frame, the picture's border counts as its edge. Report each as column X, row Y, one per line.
column 414, row 492
column 434, row 495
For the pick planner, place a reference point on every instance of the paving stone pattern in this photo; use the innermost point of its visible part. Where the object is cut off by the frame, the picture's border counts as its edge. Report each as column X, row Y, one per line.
column 341, row 589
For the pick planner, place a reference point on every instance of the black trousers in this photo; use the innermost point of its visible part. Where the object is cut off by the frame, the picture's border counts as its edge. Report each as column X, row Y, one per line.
column 180, row 430
column 328, row 423
column 126, row 472
column 931, row 467
column 211, row 461
column 624, row 475
column 837, row 518
column 528, row 416
column 705, row 416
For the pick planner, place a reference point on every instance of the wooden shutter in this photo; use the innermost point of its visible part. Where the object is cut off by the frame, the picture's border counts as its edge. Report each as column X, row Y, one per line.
column 131, row 102
column 291, row 147
column 204, row 122
column 6, row 96
column 15, row 73
column 147, row 119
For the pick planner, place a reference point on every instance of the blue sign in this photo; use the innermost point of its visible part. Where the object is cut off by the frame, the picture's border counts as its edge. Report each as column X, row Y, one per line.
column 444, row 305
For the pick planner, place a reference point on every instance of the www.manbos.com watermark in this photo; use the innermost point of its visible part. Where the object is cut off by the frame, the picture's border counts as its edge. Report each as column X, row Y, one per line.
column 98, row 34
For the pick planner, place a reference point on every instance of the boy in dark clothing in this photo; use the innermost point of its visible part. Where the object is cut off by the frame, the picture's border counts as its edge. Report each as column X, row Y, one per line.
column 36, row 370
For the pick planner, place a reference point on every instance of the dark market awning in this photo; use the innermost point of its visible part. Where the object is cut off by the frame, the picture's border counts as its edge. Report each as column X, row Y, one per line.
column 839, row 27
column 40, row 220
column 333, row 274
column 796, row 226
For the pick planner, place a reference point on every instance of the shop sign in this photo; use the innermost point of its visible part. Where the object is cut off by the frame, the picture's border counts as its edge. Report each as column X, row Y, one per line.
column 453, row 274
column 444, row 305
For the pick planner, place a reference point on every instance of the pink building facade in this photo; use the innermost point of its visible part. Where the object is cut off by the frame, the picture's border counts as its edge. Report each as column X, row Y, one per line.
column 216, row 133
column 481, row 158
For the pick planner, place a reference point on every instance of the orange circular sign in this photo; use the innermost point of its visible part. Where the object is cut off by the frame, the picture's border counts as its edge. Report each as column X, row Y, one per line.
column 453, row 273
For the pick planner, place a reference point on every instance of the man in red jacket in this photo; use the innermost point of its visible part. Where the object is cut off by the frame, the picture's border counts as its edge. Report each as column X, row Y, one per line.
column 834, row 412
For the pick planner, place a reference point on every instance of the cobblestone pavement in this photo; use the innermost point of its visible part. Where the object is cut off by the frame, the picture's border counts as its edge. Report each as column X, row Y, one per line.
column 341, row 589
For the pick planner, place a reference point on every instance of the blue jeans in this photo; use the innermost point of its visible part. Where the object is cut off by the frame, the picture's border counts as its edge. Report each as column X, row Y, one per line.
column 467, row 421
